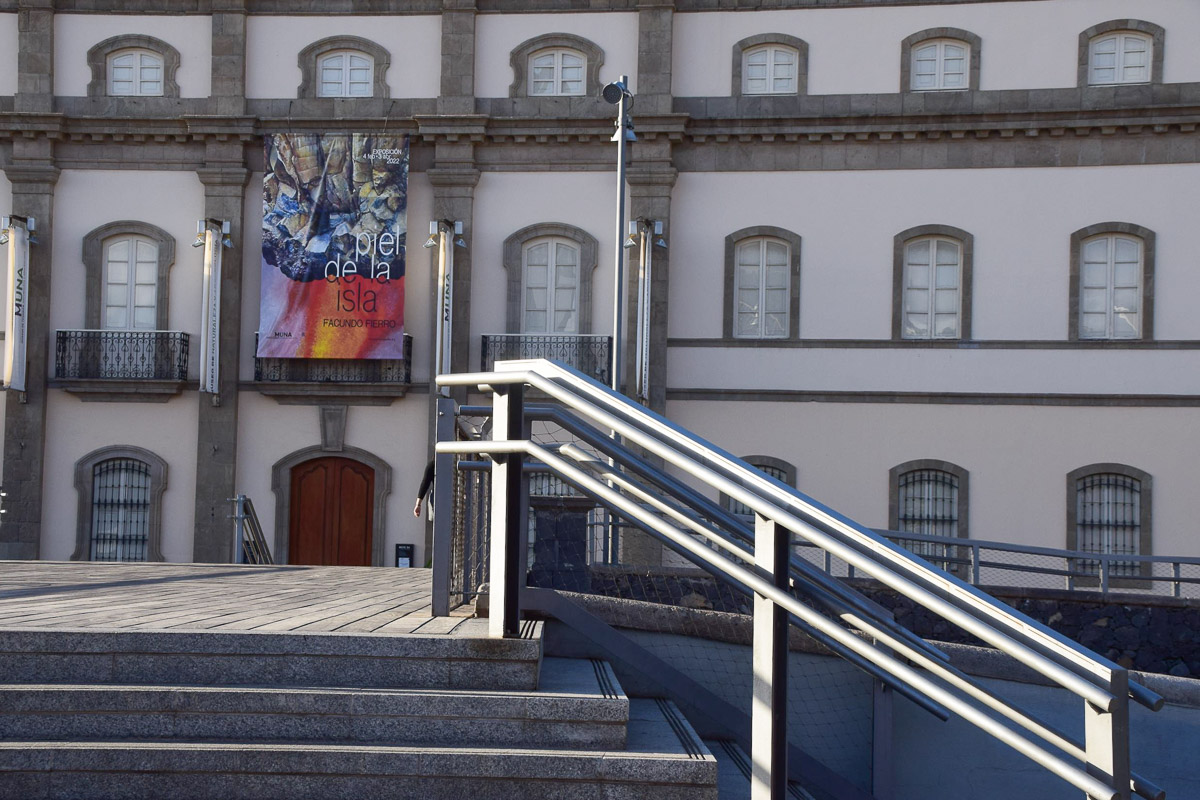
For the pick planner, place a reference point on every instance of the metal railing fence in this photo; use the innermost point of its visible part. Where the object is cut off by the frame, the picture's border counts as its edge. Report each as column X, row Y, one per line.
column 336, row 370
column 618, row 478
column 591, row 354
column 249, row 543
column 121, row 355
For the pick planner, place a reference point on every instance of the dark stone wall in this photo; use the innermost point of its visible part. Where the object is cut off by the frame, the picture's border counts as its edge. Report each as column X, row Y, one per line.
column 1150, row 634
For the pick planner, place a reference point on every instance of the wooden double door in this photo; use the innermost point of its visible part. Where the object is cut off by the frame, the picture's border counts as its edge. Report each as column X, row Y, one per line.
column 332, row 512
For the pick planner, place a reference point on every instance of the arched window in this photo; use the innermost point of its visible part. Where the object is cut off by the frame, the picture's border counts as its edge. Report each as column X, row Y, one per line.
column 1111, row 282
column 776, row 468
column 1108, row 511
column 120, row 505
column 556, row 65
column 770, row 64
column 1121, row 51
column 940, row 64
column 130, row 283
column 133, row 65
column 557, row 71
column 762, row 277
column 929, row 497
column 549, row 268
column 343, row 66
column 770, row 69
column 137, row 73
column 345, row 73
column 550, row 296
column 126, row 265
column 933, row 278
column 940, row 60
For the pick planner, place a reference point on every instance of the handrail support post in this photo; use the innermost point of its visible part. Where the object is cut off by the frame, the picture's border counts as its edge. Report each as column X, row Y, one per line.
column 443, row 514
column 1107, row 738
column 507, row 557
column 768, row 738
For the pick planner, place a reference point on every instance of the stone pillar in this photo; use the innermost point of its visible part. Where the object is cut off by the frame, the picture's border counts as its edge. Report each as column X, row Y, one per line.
column 656, row 21
column 229, row 57
column 224, row 180
column 458, row 58
column 33, row 176
column 35, row 57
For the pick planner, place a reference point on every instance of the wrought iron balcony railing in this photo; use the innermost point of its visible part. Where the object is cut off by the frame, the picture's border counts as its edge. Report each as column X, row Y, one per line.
column 122, row 355
column 337, row 370
column 591, row 354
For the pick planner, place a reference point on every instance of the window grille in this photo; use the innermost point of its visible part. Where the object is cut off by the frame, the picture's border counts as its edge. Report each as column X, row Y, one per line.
column 743, row 510
column 1108, row 511
column 120, row 510
column 928, row 504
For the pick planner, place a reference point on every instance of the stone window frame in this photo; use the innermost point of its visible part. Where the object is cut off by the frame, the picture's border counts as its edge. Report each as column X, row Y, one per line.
column 519, row 59
column 84, row 474
column 962, row 475
column 760, row 39
column 1158, row 37
column 309, row 58
column 899, row 243
column 974, row 58
column 793, row 241
column 514, row 249
column 281, row 486
column 1145, row 521
column 1148, row 238
column 787, row 468
column 93, row 267
column 100, row 53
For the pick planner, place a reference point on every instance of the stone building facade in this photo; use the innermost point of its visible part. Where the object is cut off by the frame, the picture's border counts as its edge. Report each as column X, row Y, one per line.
column 930, row 261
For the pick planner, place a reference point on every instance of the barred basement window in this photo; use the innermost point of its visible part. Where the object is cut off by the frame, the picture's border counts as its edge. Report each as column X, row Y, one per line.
column 1108, row 514
column 120, row 510
column 929, row 497
column 928, row 501
column 777, row 468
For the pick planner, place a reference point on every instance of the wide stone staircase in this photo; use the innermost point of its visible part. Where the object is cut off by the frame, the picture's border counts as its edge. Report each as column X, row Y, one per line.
column 444, row 712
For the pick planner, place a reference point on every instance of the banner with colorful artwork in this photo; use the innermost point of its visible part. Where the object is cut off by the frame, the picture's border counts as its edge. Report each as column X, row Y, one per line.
column 334, row 229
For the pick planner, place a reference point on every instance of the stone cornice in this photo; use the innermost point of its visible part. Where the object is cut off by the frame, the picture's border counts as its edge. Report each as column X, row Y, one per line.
column 425, row 7
column 32, row 174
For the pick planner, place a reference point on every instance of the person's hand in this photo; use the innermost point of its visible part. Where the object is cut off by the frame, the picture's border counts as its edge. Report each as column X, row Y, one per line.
column 417, row 509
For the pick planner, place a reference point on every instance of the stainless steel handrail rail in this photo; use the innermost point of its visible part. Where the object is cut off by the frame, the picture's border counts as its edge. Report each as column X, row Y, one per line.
column 1067, row 664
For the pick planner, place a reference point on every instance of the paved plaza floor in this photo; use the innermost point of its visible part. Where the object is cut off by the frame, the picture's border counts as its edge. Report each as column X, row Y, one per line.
column 223, row 598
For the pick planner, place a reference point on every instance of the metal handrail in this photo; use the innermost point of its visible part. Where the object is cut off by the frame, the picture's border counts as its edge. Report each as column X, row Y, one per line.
column 1102, row 683
column 250, row 545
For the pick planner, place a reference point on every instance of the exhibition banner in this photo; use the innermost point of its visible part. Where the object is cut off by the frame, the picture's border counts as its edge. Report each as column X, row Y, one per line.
column 334, row 229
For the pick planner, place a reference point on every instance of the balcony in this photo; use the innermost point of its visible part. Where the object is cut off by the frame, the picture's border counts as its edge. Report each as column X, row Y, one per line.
column 307, row 381
column 588, row 353
column 143, row 366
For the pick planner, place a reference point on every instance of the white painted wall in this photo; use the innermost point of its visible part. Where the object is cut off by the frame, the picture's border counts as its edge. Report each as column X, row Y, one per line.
column 274, row 43
column 87, row 199
column 855, row 50
column 168, row 430
column 269, row 431
column 1018, row 457
column 507, row 202
column 1021, row 219
column 75, row 34
column 8, row 53
column 497, row 35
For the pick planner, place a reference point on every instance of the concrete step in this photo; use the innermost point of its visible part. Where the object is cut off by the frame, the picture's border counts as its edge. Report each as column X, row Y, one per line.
column 663, row 760
column 578, row 704
column 466, row 659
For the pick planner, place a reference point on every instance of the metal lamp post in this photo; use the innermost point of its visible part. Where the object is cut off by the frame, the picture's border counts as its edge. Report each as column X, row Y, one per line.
column 619, row 95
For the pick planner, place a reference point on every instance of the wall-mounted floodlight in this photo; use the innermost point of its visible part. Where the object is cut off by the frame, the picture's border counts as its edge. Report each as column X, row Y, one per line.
column 200, row 234
column 4, row 236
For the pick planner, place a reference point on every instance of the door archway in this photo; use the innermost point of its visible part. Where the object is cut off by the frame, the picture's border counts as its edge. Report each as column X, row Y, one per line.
column 329, row 506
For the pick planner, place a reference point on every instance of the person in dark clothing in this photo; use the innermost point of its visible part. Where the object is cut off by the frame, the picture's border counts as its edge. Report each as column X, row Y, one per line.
column 426, row 484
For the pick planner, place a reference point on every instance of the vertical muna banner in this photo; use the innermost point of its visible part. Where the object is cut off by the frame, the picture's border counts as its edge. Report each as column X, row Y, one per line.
column 335, row 212
column 210, row 315
column 18, row 323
